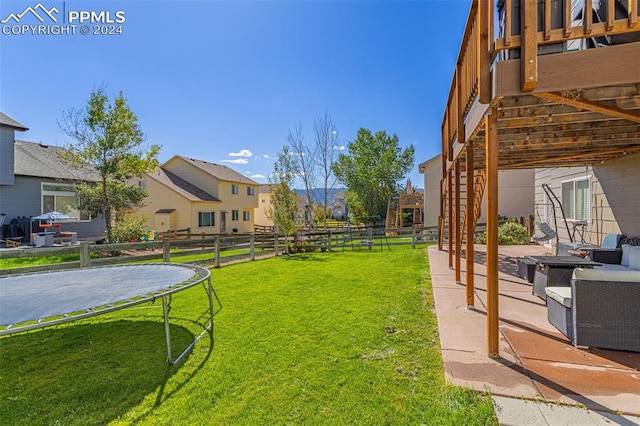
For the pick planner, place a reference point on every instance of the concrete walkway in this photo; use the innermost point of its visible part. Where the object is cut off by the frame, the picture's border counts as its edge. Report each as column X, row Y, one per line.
column 540, row 378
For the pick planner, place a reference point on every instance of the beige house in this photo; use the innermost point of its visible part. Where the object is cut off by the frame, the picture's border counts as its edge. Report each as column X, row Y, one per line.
column 203, row 196
column 517, row 192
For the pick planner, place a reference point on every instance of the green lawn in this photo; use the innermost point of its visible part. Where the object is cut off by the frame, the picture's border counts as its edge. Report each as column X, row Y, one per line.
column 322, row 338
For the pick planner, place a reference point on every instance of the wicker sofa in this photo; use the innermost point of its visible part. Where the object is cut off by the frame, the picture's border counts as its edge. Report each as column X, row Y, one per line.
column 615, row 258
column 601, row 309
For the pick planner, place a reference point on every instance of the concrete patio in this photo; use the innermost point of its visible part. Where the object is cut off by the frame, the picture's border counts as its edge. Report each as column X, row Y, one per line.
column 537, row 363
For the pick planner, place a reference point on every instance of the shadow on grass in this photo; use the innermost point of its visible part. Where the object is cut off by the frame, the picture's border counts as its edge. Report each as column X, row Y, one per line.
column 84, row 374
column 304, row 257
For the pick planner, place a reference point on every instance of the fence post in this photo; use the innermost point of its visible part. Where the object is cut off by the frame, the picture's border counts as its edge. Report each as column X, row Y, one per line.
column 252, row 247
column 413, row 237
column 329, row 245
column 166, row 250
column 276, row 238
column 216, row 255
column 85, row 260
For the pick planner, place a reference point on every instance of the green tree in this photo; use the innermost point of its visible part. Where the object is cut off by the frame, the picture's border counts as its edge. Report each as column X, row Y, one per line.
column 108, row 138
column 372, row 170
column 283, row 196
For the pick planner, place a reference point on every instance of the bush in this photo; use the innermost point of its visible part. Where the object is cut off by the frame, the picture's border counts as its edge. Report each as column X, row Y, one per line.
column 510, row 233
column 129, row 229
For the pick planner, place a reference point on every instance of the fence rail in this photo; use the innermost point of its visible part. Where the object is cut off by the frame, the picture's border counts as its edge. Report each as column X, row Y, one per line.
column 204, row 249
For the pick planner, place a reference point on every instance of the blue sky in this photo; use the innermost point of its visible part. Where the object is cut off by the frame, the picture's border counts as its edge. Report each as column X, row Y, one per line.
column 212, row 80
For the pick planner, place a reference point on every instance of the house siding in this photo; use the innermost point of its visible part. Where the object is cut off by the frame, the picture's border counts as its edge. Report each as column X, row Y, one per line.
column 193, row 175
column 516, row 192
column 6, row 157
column 614, row 200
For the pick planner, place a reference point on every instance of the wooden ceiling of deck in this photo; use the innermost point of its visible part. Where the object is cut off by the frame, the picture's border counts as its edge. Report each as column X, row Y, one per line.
column 571, row 128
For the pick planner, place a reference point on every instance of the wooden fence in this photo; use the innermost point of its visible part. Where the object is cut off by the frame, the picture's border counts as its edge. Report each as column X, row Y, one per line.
column 205, row 249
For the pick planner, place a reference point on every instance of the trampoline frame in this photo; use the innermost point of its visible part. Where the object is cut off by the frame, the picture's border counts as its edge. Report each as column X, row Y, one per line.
column 202, row 275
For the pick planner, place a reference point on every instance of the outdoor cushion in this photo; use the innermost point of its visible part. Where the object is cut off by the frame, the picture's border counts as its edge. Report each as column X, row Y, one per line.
column 626, row 249
column 634, row 258
column 612, row 267
column 586, row 274
column 610, row 241
column 561, row 295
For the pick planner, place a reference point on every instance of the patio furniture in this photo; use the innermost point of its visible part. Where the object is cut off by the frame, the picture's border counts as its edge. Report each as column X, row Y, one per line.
column 599, row 310
column 617, row 255
column 527, row 267
column 555, row 271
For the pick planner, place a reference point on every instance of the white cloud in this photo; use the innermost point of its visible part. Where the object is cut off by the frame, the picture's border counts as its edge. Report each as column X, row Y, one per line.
column 257, row 176
column 339, row 148
column 242, row 153
column 238, row 161
column 268, row 157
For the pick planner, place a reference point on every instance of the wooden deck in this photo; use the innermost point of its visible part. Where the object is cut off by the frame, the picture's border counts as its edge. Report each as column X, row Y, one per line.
column 578, row 106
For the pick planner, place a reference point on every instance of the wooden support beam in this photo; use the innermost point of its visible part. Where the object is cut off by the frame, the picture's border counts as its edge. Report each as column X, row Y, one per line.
column 491, row 156
column 588, row 105
column 611, row 14
column 529, row 48
column 456, row 224
column 633, row 14
column 469, row 208
column 547, row 20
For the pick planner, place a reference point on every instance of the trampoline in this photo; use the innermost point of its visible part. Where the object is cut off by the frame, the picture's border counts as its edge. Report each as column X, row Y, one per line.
column 37, row 300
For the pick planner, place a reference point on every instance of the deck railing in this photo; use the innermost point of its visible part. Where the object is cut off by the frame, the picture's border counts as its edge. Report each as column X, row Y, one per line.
column 534, row 24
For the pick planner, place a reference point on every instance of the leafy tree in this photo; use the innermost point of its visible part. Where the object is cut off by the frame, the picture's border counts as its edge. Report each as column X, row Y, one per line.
column 372, row 170
column 283, row 196
column 107, row 137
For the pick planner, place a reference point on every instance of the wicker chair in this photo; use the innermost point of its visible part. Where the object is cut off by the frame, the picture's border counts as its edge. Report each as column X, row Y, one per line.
column 599, row 310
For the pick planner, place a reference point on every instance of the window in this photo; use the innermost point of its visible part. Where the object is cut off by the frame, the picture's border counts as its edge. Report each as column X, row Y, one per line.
column 62, row 198
column 251, row 191
column 246, row 215
column 206, row 219
column 234, row 189
column 576, row 199
column 235, row 215
column 142, row 184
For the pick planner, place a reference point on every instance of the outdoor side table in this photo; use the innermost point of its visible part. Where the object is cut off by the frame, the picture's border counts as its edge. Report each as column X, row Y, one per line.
column 556, row 271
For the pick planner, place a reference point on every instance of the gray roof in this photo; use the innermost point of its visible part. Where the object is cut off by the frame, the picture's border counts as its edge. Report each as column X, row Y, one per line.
column 219, row 171
column 181, row 186
column 36, row 159
column 6, row 121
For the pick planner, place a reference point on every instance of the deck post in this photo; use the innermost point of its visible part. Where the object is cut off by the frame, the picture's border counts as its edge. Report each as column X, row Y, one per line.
column 529, row 46
column 456, row 225
column 491, row 142
column 471, row 215
column 486, row 8
column 450, row 215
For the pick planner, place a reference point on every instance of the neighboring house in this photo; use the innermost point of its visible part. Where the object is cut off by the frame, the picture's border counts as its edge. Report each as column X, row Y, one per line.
column 597, row 200
column 35, row 180
column 517, row 192
column 264, row 206
column 205, row 197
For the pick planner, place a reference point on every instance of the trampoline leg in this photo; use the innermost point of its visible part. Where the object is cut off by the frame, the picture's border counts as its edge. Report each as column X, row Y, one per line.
column 167, row 332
